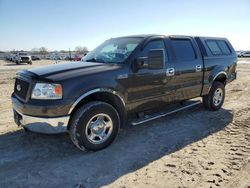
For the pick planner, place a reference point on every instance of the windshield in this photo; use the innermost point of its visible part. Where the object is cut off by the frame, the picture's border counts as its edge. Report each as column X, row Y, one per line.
column 113, row 50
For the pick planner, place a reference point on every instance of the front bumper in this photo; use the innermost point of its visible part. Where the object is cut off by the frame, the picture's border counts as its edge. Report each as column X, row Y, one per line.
column 25, row 59
column 49, row 117
column 42, row 125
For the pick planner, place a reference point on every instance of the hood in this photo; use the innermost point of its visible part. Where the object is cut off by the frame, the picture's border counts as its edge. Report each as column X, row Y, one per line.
column 71, row 69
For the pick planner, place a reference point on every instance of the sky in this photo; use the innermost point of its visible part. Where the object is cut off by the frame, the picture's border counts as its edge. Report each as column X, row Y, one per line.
column 64, row 24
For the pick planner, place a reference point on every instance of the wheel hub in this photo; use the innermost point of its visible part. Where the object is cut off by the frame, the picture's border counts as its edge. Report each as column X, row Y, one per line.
column 99, row 128
column 218, row 96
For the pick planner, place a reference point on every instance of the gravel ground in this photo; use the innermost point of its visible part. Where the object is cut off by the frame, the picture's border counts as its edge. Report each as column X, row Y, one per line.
column 192, row 148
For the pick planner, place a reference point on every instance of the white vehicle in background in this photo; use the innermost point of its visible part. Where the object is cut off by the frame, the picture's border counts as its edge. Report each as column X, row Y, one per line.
column 57, row 57
column 239, row 53
column 246, row 54
column 8, row 57
column 22, row 57
column 11, row 57
column 54, row 57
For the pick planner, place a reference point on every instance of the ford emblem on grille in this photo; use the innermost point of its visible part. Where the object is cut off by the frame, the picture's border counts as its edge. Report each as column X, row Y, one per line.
column 18, row 87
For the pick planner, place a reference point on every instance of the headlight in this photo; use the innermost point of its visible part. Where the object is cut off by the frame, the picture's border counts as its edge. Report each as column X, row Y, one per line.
column 47, row 91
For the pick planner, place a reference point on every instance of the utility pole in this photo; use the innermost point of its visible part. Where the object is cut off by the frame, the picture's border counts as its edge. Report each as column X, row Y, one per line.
column 69, row 54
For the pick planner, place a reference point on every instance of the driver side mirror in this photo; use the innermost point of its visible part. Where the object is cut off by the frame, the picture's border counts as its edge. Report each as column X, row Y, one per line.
column 155, row 60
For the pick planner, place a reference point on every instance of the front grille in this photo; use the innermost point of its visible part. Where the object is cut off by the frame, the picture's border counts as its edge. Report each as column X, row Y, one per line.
column 25, row 58
column 21, row 88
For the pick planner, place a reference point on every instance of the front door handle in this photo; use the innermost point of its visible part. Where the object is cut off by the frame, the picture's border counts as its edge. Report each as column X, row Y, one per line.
column 198, row 68
column 170, row 72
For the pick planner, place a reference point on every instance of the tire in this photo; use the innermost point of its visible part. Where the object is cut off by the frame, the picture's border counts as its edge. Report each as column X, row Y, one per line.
column 215, row 98
column 17, row 62
column 91, row 122
column 30, row 63
column 26, row 129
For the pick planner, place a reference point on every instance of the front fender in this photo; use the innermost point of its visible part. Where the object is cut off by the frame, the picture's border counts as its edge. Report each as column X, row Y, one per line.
column 97, row 90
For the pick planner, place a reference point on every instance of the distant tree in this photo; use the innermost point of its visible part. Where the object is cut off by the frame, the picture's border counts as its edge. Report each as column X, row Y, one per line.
column 35, row 50
column 43, row 50
column 81, row 49
column 64, row 51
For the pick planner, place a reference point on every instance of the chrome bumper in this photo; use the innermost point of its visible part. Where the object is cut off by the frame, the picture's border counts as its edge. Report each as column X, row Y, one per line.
column 42, row 125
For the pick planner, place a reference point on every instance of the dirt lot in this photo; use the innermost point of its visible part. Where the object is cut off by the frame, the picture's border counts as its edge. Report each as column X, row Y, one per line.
column 193, row 148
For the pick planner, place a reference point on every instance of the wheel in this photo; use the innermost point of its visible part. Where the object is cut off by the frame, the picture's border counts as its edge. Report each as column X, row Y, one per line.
column 30, row 63
column 215, row 98
column 94, row 126
column 17, row 62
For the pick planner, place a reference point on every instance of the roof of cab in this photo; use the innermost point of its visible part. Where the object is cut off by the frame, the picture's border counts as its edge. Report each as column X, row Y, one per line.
column 170, row 36
column 141, row 36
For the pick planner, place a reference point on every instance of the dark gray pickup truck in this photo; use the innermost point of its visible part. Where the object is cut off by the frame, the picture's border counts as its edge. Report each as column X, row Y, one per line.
column 125, row 80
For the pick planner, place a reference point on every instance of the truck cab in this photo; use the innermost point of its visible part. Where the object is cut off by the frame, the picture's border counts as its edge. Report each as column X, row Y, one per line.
column 119, row 80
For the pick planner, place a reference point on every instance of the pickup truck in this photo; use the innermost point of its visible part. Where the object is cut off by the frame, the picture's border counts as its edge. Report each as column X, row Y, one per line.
column 22, row 57
column 118, row 82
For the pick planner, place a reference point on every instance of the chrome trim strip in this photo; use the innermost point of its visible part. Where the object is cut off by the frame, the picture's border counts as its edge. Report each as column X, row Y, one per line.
column 221, row 72
column 95, row 91
column 44, row 125
column 163, row 115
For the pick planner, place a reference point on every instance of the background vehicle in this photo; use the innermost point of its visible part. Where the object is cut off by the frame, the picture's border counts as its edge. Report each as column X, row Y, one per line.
column 22, row 57
column 8, row 57
column 77, row 58
column 128, row 79
column 34, row 57
column 246, row 54
column 239, row 53
column 68, row 58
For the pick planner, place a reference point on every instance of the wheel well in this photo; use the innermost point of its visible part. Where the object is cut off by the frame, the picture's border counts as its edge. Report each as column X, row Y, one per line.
column 107, row 97
column 221, row 78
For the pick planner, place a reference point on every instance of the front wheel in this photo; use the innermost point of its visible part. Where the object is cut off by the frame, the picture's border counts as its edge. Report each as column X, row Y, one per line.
column 215, row 98
column 94, row 126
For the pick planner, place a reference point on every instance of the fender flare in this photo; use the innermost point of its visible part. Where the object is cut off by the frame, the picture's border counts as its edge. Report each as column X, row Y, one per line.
column 218, row 74
column 97, row 90
column 213, row 78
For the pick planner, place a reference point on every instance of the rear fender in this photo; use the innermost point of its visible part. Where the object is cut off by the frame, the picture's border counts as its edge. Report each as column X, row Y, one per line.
column 219, row 73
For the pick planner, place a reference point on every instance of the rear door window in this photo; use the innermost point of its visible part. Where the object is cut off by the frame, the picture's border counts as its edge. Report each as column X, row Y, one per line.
column 213, row 47
column 183, row 49
column 224, row 47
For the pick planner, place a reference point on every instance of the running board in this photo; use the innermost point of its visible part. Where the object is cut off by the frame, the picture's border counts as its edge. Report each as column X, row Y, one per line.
column 166, row 113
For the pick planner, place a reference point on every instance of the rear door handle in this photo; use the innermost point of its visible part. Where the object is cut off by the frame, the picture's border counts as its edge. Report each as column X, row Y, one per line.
column 170, row 72
column 198, row 68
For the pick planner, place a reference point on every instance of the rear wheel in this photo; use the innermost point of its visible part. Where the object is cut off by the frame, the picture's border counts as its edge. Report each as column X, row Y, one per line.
column 215, row 98
column 94, row 126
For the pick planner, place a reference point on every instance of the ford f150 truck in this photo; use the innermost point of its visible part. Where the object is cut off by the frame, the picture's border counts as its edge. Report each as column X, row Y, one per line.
column 118, row 82
column 22, row 57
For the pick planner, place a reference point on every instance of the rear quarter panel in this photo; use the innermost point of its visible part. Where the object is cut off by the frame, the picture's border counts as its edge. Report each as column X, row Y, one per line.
column 214, row 65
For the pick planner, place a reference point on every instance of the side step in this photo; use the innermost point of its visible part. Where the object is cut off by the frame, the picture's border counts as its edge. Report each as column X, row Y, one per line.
column 169, row 111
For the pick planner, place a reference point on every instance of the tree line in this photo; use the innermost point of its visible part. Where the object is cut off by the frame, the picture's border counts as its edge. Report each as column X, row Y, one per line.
column 43, row 50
